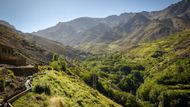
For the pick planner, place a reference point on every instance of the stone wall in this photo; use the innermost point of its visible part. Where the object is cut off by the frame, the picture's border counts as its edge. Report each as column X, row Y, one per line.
column 23, row 71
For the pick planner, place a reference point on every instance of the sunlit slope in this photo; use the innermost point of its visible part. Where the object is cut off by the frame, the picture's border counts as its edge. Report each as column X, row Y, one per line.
column 57, row 89
column 150, row 74
column 35, row 49
column 167, row 74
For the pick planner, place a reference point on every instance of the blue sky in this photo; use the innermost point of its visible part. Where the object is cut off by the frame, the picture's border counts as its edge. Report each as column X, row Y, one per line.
column 33, row 15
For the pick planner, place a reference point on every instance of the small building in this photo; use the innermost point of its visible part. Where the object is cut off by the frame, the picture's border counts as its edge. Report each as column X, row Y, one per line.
column 10, row 57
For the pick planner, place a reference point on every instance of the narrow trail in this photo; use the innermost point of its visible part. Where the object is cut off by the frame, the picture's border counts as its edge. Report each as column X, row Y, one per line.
column 14, row 97
column 11, row 99
column 28, row 86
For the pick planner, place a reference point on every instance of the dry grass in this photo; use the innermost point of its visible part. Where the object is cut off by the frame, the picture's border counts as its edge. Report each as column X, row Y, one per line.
column 57, row 102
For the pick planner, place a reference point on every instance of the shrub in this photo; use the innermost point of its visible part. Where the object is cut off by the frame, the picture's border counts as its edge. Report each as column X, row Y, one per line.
column 143, row 91
column 11, row 74
column 42, row 89
column 105, row 69
column 157, row 54
column 55, row 65
column 127, row 84
column 2, row 84
column 58, row 65
column 125, row 69
column 180, row 69
column 87, row 77
column 131, row 82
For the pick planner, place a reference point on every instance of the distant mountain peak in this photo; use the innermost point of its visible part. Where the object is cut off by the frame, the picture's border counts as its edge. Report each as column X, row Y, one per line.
column 140, row 16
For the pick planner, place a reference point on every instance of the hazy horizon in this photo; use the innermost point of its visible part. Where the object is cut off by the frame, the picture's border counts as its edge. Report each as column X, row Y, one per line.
column 34, row 15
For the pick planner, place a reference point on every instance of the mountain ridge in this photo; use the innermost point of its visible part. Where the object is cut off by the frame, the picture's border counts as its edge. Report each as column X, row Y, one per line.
column 126, row 28
column 36, row 50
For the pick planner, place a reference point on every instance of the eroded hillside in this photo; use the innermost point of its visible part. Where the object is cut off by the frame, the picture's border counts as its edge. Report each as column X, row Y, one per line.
column 35, row 49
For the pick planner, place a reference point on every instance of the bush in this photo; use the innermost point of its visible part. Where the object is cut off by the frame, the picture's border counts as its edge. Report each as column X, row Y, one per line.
column 131, row 82
column 125, row 69
column 55, row 65
column 58, row 65
column 87, row 77
column 127, row 84
column 157, row 54
column 2, row 84
column 105, row 68
column 143, row 91
column 42, row 89
column 11, row 74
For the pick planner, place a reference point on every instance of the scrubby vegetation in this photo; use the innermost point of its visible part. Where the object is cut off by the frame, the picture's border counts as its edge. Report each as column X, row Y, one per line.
column 68, row 91
column 154, row 74
column 2, row 84
column 166, row 78
column 118, row 78
column 9, row 83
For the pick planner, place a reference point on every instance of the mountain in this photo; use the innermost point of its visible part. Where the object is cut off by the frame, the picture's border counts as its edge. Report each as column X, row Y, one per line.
column 35, row 49
column 180, row 9
column 50, row 86
column 70, row 33
column 137, row 21
column 127, row 29
column 155, row 29
column 67, row 31
column 2, row 22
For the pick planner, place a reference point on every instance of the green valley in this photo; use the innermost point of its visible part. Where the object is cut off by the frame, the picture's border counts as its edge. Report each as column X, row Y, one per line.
column 152, row 74
column 137, row 58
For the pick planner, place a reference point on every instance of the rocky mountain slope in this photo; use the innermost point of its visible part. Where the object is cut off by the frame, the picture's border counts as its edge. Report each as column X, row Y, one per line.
column 180, row 9
column 120, row 31
column 2, row 22
column 34, row 49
